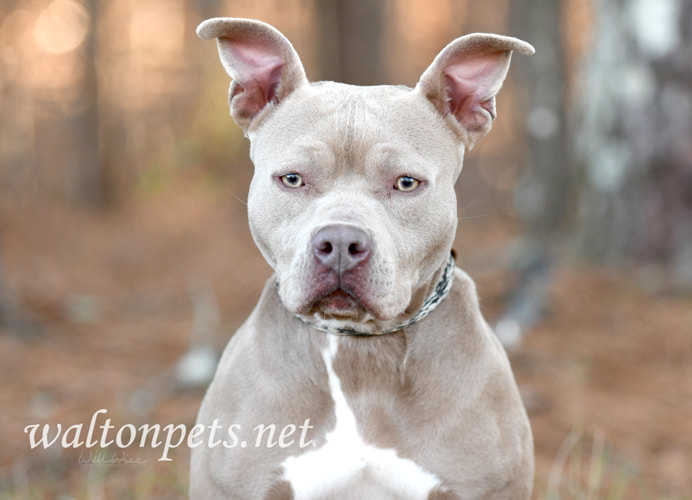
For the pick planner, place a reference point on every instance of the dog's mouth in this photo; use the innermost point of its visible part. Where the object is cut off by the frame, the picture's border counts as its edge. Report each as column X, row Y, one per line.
column 339, row 304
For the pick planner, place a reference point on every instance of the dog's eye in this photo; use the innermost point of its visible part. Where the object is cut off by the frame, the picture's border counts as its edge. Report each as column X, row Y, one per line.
column 292, row 180
column 406, row 183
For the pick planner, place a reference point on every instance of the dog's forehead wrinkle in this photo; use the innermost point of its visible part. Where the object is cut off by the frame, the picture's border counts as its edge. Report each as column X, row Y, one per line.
column 349, row 132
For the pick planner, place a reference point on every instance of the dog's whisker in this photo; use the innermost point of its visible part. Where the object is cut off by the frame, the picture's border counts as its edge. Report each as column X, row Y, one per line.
column 471, row 217
column 239, row 199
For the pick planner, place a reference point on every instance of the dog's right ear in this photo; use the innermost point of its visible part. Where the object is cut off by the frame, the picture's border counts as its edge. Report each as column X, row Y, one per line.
column 263, row 64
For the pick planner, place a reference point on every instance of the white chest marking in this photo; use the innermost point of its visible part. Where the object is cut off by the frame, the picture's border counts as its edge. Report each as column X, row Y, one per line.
column 345, row 459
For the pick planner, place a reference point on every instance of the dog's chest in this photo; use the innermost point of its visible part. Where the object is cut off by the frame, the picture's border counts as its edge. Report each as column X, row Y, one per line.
column 346, row 464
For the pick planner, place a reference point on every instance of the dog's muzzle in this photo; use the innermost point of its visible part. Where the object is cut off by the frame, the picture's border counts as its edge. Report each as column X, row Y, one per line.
column 441, row 291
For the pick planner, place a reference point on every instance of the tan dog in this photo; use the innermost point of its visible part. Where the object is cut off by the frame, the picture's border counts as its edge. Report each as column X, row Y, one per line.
column 366, row 371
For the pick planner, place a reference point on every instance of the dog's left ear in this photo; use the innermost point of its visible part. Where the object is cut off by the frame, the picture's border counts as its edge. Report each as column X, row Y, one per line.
column 464, row 78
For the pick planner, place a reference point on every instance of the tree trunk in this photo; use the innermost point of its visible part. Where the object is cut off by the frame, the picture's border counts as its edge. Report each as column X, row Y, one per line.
column 12, row 318
column 87, row 181
column 634, row 136
column 540, row 197
column 351, row 41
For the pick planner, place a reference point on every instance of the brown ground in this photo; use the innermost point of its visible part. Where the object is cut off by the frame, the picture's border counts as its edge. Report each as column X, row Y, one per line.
column 607, row 376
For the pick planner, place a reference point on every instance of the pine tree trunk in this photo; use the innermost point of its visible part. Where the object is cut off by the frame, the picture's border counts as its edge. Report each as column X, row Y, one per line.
column 634, row 136
column 351, row 41
column 87, row 181
column 540, row 197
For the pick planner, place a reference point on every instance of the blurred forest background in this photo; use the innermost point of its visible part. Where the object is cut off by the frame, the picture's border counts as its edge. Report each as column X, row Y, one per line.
column 126, row 262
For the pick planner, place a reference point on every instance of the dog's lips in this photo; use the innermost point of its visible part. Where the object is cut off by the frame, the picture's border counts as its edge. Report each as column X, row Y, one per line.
column 342, row 297
column 338, row 303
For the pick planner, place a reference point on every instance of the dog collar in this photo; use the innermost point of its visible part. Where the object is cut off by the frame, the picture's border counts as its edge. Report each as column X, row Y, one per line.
column 434, row 299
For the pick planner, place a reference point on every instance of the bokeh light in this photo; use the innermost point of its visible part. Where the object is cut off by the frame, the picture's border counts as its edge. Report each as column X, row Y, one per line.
column 62, row 26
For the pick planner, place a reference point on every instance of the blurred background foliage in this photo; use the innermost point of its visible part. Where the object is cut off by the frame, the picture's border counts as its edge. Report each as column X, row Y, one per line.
column 123, row 232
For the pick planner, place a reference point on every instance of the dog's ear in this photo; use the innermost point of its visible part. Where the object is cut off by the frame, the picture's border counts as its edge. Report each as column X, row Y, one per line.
column 262, row 63
column 464, row 78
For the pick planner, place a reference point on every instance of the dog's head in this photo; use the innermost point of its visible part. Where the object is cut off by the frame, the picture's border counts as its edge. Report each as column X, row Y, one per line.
column 352, row 202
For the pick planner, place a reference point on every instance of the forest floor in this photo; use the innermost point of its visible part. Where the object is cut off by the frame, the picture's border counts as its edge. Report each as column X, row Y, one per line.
column 606, row 376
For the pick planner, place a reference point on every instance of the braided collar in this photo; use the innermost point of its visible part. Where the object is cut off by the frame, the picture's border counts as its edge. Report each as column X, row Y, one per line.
column 434, row 299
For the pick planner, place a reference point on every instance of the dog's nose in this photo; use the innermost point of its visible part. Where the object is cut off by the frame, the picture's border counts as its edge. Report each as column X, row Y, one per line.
column 341, row 247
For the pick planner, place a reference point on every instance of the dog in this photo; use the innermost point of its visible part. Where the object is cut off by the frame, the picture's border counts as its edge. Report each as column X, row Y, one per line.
column 366, row 370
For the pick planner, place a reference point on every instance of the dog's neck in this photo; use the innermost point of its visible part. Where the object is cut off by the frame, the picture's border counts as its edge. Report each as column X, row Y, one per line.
column 433, row 299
